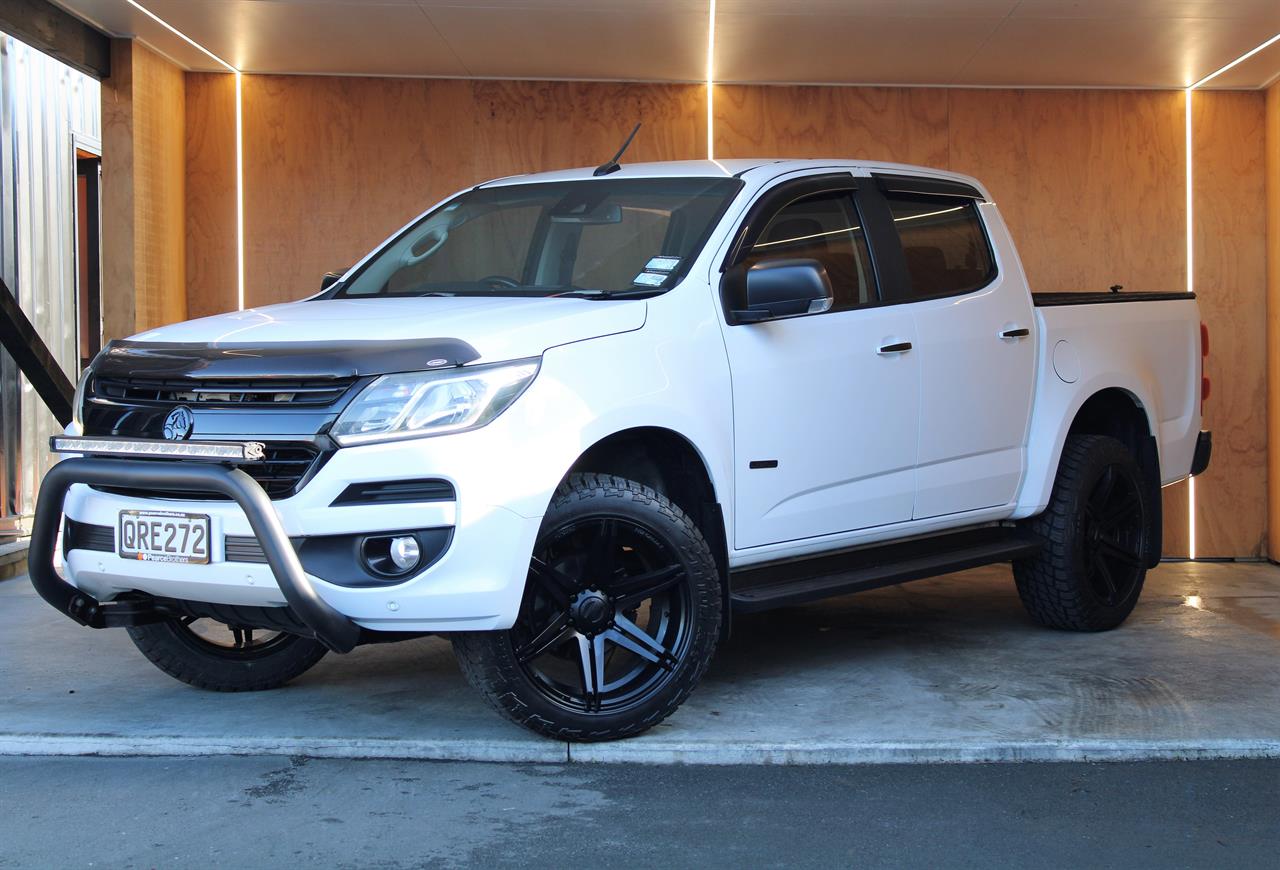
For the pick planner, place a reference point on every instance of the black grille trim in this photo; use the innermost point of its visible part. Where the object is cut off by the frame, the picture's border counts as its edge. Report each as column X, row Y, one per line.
column 245, row 548
column 238, row 392
column 87, row 536
column 396, row 492
column 285, row 470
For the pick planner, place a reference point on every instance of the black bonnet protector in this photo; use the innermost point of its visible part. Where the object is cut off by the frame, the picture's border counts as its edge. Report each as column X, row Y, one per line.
column 286, row 360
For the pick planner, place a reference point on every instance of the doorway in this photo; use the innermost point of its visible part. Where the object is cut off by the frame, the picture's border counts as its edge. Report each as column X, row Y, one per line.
column 88, row 253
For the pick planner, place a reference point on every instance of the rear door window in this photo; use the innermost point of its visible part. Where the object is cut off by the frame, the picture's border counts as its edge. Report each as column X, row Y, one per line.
column 944, row 244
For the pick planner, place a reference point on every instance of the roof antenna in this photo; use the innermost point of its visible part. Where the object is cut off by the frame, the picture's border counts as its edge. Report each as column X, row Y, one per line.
column 612, row 165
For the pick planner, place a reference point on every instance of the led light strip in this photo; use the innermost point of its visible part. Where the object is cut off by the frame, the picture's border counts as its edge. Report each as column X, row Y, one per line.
column 711, row 53
column 239, row 142
column 1191, row 286
column 1191, row 279
column 221, row 451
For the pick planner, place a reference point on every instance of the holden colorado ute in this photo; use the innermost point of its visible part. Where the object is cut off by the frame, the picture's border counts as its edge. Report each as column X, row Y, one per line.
column 573, row 421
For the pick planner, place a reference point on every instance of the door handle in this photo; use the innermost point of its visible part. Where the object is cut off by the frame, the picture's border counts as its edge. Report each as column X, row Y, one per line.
column 896, row 347
column 1017, row 332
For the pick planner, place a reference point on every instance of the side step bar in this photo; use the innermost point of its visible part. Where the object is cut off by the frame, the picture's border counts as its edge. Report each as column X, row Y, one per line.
column 799, row 581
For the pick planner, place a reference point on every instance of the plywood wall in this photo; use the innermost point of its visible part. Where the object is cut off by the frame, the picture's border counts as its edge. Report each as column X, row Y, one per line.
column 210, row 141
column 118, row 306
column 1230, row 281
column 1079, row 175
column 144, row 192
column 159, row 164
column 1092, row 183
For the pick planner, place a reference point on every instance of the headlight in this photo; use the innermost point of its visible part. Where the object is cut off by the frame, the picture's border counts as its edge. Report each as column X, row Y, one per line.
column 77, row 401
column 418, row 404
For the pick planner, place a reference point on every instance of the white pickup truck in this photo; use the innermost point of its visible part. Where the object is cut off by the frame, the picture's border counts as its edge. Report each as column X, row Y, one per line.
column 574, row 420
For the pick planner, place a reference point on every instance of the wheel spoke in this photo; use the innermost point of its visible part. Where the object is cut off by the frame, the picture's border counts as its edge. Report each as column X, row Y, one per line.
column 601, row 562
column 1123, row 554
column 237, row 637
column 1102, row 492
column 591, row 654
column 628, row 635
column 557, row 584
column 630, row 591
column 1104, row 571
column 557, row 632
column 1113, row 515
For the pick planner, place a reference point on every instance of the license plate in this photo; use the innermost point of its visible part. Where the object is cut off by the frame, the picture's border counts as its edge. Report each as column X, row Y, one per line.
column 164, row 536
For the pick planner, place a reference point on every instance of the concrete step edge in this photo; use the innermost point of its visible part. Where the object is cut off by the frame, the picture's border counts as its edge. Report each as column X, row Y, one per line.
column 642, row 751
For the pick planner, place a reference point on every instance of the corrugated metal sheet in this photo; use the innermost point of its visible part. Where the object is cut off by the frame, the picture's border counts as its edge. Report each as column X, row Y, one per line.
column 44, row 106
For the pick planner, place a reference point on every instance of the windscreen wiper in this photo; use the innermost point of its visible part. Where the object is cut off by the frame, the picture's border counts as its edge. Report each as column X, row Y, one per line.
column 588, row 293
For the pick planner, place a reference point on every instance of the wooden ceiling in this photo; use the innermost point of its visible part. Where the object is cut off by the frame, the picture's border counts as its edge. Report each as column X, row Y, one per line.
column 1045, row 43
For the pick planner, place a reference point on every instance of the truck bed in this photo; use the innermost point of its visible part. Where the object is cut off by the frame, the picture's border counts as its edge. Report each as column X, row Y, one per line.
column 1045, row 300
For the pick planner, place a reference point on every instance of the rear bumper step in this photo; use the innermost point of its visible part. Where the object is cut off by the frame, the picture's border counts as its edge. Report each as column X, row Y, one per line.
column 327, row 625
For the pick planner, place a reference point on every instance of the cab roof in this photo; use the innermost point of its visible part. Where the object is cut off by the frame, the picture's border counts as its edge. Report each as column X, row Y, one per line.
column 757, row 169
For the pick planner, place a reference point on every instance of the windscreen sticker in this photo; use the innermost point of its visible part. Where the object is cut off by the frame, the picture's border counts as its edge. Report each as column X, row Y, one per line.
column 649, row 279
column 663, row 264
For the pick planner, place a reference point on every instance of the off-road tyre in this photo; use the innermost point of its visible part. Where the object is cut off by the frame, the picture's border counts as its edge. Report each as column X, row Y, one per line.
column 489, row 659
column 176, row 649
column 1064, row 586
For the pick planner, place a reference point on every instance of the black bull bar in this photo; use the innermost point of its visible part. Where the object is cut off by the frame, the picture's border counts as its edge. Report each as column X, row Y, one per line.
column 329, row 626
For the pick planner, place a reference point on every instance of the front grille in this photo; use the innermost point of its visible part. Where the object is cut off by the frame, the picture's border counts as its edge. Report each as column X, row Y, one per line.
column 286, row 466
column 259, row 392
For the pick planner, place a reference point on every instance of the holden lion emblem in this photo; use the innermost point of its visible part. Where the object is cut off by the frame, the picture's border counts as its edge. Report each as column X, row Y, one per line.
column 178, row 425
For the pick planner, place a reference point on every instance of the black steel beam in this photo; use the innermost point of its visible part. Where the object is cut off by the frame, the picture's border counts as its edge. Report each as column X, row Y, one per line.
column 58, row 33
column 24, row 344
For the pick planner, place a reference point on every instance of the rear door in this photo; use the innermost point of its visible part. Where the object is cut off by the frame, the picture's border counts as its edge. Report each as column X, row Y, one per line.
column 826, row 406
column 976, row 347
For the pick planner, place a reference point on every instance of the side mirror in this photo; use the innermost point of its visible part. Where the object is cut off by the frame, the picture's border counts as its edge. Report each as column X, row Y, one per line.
column 785, row 288
column 331, row 278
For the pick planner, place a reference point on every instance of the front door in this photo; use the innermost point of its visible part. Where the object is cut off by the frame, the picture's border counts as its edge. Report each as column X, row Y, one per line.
column 826, row 405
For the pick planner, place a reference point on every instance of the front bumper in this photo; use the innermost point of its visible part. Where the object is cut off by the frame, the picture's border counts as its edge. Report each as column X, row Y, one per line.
column 329, row 626
column 475, row 585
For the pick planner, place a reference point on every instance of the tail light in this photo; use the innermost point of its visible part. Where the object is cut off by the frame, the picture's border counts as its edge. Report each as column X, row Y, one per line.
column 1204, row 356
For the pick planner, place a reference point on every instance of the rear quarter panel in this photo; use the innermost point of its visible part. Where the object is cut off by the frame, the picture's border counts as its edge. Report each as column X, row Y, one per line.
column 1148, row 349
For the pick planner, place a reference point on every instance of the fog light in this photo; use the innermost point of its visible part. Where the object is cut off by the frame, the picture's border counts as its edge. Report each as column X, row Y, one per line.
column 405, row 552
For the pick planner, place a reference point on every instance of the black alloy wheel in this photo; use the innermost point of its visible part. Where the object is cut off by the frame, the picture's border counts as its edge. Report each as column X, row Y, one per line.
column 618, row 621
column 1113, row 535
column 605, row 618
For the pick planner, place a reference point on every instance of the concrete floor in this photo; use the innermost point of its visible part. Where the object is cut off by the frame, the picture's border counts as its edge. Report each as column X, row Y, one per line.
column 940, row 670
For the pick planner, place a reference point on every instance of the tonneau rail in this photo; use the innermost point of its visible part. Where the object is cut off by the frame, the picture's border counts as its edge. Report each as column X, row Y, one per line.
column 1046, row 300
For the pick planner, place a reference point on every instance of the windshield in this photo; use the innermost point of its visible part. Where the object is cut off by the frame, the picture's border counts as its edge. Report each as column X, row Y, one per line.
column 568, row 238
